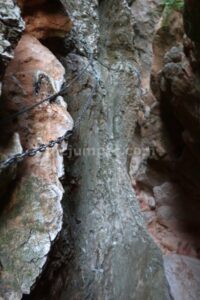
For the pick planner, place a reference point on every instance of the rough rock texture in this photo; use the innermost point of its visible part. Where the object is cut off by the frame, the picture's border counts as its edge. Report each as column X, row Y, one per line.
column 150, row 140
column 165, row 168
column 84, row 17
column 7, row 175
column 114, row 256
column 11, row 27
column 177, row 86
column 45, row 19
column 183, row 274
column 32, row 216
column 135, row 155
column 146, row 15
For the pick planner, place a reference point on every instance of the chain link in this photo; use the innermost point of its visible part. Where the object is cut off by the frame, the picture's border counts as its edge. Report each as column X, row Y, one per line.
column 32, row 152
column 43, row 147
column 48, row 99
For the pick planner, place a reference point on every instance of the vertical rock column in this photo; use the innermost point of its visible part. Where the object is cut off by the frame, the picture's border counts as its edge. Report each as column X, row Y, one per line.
column 114, row 256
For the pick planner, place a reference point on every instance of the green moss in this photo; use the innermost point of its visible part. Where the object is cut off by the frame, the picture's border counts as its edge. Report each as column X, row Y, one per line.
column 170, row 6
column 174, row 4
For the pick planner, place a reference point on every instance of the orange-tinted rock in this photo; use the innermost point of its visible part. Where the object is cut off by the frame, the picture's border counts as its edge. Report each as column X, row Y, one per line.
column 43, row 25
column 47, row 121
column 32, row 218
column 45, row 19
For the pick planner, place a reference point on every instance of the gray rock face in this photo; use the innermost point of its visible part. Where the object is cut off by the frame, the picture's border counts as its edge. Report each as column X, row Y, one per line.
column 114, row 256
column 85, row 22
column 11, row 27
column 146, row 15
column 183, row 274
column 27, row 229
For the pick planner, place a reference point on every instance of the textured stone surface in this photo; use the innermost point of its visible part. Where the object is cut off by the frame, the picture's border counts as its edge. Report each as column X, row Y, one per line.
column 146, row 15
column 11, row 27
column 46, row 19
column 7, row 175
column 169, row 163
column 84, row 16
column 32, row 217
column 169, row 171
column 134, row 145
column 165, row 167
column 183, row 274
column 109, row 234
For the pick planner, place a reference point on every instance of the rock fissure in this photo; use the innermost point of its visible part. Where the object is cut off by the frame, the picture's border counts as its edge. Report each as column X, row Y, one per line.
column 164, row 177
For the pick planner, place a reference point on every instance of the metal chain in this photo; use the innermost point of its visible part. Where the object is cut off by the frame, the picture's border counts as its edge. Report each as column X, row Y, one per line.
column 43, row 147
column 48, row 99
column 32, row 152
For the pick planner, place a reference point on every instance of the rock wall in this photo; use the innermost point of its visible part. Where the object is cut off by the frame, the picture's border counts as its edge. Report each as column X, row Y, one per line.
column 110, row 239
column 111, row 255
column 125, row 228
column 31, row 215
column 12, row 26
column 165, row 175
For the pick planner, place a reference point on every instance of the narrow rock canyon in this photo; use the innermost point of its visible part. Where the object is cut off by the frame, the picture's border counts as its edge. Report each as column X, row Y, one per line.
column 113, row 211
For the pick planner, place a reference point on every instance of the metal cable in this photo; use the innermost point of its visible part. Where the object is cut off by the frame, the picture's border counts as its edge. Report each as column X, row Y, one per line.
column 42, row 147
column 50, row 98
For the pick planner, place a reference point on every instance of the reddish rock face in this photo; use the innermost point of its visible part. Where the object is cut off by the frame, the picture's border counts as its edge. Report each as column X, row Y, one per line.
column 166, row 177
column 45, row 19
column 21, row 88
column 34, row 207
